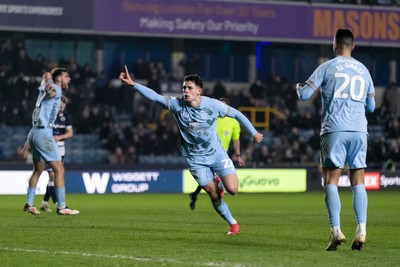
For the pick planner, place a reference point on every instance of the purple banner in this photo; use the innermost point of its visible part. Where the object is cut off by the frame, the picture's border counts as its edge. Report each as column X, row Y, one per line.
column 285, row 22
column 247, row 21
column 35, row 14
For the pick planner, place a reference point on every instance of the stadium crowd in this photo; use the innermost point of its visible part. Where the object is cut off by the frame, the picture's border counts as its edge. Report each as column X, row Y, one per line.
column 130, row 127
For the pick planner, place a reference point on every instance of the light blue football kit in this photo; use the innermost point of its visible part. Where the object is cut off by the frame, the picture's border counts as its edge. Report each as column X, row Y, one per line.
column 347, row 92
column 41, row 141
column 200, row 144
column 40, row 137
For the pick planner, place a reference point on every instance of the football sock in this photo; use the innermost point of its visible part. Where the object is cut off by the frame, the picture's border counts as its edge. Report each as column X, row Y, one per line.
column 360, row 203
column 361, row 229
column 46, row 196
column 53, row 193
column 61, row 197
column 332, row 202
column 30, row 197
column 223, row 210
column 198, row 189
column 336, row 230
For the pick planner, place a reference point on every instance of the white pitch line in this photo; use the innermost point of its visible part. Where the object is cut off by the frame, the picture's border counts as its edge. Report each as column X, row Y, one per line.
column 123, row 257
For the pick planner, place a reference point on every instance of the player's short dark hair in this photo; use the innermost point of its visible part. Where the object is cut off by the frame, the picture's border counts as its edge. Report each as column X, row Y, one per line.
column 344, row 38
column 57, row 72
column 195, row 79
column 225, row 100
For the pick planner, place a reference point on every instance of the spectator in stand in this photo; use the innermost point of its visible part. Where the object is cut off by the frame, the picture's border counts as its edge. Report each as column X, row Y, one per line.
column 191, row 64
column 140, row 116
column 15, row 92
column 137, row 142
column 264, row 158
column 84, row 121
column 118, row 156
column 378, row 153
column 87, row 72
column 275, row 87
column 289, row 99
column 131, row 157
column 74, row 69
column 140, row 68
column 15, row 117
column 391, row 100
column 394, row 153
column 162, row 73
column 5, row 56
column 22, row 63
column 392, row 128
column 258, row 94
column 116, row 137
column 106, row 124
column 293, row 153
column 219, row 90
column 39, row 65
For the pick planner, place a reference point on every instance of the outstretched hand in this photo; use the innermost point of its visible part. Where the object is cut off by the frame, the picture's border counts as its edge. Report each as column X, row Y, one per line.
column 126, row 78
column 258, row 137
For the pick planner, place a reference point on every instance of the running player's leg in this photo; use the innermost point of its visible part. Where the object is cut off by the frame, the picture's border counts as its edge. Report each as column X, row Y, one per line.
column 59, row 184
column 333, row 154
column 357, row 162
column 38, row 167
column 360, row 204
column 193, row 197
column 205, row 178
column 50, row 192
column 220, row 206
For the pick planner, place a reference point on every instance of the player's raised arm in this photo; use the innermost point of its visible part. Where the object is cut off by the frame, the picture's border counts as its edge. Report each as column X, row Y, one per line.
column 146, row 92
column 126, row 78
column 243, row 120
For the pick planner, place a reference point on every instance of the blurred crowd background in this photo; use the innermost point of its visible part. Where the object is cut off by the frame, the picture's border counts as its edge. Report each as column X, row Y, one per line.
column 114, row 125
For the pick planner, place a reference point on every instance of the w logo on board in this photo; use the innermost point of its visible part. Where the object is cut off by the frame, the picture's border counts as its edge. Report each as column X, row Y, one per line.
column 96, row 182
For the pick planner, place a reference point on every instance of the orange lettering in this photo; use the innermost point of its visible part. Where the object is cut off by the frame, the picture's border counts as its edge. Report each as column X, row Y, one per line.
column 338, row 21
column 380, row 25
column 322, row 23
column 393, row 25
column 367, row 25
column 352, row 20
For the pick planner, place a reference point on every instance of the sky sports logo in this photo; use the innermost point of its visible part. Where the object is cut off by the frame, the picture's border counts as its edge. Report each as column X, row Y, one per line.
column 121, row 182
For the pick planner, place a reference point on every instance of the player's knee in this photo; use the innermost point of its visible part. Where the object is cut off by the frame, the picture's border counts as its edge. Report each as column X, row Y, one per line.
column 232, row 190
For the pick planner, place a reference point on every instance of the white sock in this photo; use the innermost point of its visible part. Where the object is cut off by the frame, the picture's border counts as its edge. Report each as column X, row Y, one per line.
column 336, row 230
column 361, row 229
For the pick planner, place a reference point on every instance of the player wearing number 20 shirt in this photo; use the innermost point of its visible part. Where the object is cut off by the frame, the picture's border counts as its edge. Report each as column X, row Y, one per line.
column 345, row 84
column 347, row 93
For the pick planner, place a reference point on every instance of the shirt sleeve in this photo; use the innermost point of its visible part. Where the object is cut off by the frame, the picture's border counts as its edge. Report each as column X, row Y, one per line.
column 150, row 94
column 234, row 113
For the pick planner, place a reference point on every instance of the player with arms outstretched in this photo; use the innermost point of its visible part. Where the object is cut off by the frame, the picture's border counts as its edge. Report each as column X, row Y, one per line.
column 347, row 93
column 196, row 116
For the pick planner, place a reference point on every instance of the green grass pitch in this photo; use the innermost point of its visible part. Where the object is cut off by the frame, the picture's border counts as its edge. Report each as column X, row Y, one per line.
column 160, row 230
